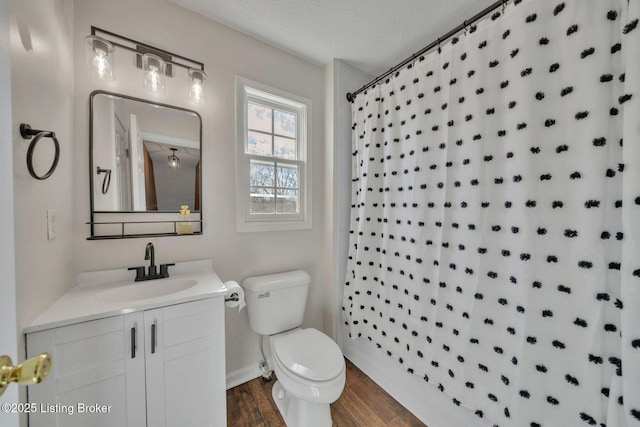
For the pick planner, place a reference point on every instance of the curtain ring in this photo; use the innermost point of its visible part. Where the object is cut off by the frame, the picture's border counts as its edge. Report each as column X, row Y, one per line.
column 439, row 50
column 32, row 148
column 504, row 5
column 465, row 27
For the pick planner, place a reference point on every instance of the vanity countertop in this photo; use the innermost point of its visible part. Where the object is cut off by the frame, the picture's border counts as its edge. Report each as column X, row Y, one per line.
column 108, row 293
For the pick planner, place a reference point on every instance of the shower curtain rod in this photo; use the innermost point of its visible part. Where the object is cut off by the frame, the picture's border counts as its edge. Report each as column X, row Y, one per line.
column 351, row 96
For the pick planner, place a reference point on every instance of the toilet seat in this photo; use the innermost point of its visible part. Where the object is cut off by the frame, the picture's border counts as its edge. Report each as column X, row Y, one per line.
column 308, row 354
column 311, row 374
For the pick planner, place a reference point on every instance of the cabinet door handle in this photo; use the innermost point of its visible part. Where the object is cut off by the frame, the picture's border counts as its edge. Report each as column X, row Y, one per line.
column 153, row 338
column 133, row 342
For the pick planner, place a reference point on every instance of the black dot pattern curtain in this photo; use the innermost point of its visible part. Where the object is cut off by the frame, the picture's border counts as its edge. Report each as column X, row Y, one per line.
column 495, row 223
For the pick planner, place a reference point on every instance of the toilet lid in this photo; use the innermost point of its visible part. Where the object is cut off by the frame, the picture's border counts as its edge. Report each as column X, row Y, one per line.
column 310, row 354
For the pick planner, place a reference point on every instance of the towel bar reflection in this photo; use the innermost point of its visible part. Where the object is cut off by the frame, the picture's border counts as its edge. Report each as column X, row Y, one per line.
column 35, row 136
column 106, row 181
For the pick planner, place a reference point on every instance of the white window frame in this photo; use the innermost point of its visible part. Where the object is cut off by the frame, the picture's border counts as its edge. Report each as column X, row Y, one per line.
column 249, row 90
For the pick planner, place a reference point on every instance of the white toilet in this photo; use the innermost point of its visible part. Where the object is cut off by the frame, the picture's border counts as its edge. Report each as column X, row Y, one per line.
column 309, row 365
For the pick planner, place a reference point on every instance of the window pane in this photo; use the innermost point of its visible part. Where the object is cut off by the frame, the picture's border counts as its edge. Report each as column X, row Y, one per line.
column 287, row 201
column 284, row 148
column 262, row 201
column 259, row 117
column 284, row 123
column 259, row 144
column 287, row 177
column 261, row 174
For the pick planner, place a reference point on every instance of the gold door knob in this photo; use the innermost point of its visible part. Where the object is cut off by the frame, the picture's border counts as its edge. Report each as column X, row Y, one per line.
column 31, row 371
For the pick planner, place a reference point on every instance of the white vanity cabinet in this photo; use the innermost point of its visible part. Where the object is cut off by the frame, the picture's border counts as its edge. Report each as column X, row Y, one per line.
column 156, row 368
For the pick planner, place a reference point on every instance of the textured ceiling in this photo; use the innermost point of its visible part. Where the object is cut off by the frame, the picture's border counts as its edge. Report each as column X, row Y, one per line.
column 372, row 35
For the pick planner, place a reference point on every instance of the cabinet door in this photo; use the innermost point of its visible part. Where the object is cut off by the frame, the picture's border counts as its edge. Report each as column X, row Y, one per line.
column 93, row 368
column 185, row 364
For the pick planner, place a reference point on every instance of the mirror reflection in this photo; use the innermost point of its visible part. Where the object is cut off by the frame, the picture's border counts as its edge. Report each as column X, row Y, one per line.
column 145, row 157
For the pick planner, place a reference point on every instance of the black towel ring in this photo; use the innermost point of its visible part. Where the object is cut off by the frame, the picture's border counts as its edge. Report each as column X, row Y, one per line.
column 36, row 135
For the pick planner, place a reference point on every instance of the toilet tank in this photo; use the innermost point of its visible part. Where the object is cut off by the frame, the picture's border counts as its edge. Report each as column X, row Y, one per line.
column 276, row 302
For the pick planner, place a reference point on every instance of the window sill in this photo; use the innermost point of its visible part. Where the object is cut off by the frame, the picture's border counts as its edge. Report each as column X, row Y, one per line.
column 258, row 226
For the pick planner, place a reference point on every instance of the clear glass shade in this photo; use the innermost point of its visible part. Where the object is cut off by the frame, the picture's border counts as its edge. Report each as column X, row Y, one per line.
column 100, row 57
column 154, row 72
column 173, row 160
column 197, row 95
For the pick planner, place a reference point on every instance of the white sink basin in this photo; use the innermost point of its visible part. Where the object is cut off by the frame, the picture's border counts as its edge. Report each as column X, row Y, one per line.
column 100, row 294
column 147, row 290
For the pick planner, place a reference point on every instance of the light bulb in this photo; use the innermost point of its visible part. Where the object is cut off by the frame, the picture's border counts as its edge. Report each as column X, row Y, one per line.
column 101, row 65
column 173, row 160
column 154, row 79
column 196, row 93
column 154, row 67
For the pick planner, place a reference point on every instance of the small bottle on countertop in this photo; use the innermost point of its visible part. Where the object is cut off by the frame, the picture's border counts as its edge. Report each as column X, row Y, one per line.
column 184, row 225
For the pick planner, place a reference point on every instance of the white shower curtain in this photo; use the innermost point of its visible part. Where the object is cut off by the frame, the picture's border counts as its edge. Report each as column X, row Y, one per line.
column 495, row 225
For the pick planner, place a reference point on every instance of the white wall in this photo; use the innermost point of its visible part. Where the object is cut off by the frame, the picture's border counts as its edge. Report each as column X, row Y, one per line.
column 345, row 79
column 8, row 333
column 226, row 53
column 104, row 149
column 41, row 95
column 328, row 263
column 340, row 78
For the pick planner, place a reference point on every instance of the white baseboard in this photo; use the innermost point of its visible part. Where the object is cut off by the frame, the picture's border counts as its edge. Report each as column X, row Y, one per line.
column 243, row 375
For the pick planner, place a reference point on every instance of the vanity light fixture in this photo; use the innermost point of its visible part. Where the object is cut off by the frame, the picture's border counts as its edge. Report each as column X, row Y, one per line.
column 100, row 58
column 197, row 94
column 173, row 160
column 156, row 64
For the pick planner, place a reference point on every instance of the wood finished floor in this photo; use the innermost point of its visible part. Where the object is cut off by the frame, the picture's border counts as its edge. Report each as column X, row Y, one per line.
column 362, row 404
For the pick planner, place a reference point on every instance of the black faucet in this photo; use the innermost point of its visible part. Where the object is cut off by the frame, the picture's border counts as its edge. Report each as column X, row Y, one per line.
column 150, row 255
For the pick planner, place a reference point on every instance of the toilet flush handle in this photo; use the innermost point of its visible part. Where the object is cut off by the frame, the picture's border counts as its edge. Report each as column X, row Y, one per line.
column 264, row 295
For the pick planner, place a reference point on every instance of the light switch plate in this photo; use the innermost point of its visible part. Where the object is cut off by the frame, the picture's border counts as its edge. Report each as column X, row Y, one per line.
column 52, row 224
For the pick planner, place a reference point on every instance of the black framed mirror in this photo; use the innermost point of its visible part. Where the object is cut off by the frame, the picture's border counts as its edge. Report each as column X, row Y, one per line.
column 144, row 163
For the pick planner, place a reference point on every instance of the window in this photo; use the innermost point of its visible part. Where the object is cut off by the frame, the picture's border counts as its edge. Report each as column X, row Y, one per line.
column 273, row 190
